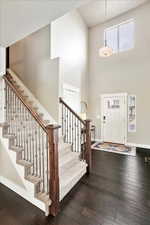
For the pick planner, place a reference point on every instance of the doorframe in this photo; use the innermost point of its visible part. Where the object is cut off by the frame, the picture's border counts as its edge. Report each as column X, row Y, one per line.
column 125, row 95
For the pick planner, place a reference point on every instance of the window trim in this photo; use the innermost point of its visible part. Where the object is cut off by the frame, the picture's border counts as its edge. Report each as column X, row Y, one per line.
column 118, row 36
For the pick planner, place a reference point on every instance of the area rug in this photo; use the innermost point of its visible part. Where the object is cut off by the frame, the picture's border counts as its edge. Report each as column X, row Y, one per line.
column 115, row 148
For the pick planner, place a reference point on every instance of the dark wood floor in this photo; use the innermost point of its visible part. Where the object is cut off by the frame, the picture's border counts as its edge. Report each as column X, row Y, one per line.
column 116, row 193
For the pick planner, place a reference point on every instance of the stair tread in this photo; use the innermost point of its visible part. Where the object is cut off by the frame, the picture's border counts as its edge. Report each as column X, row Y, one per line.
column 5, row 124
column 44, row 198
column 25, row 163
column 9, row 136
column 16, row 149
column 34, row 179
column 64, row 145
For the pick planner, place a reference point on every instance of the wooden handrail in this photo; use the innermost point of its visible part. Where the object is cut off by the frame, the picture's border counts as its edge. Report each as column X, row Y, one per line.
column 29, row 108
column 71, row 110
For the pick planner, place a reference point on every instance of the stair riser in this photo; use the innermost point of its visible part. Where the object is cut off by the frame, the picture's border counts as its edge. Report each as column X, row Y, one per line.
column 11, row 142
column 4, row 131
column 68, row 161
column 65, row 189
column 37, row 189
column 31, row 187
column 64, row 152
column 61, row 139
column 18, row 155
column 27, row 171
column 67, row 166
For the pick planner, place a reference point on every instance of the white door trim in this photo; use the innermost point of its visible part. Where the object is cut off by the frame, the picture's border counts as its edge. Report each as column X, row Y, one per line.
column 125, row 95
column 72, row 89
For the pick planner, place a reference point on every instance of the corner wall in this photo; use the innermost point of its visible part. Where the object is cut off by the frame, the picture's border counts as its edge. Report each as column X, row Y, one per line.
column 125, row 72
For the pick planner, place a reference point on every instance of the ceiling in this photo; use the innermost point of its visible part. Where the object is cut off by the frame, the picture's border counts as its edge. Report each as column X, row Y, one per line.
column 19, row 18
column 94, row 12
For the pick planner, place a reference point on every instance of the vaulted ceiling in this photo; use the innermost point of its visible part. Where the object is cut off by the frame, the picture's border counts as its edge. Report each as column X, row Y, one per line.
column 19, row 18
column 94, row 12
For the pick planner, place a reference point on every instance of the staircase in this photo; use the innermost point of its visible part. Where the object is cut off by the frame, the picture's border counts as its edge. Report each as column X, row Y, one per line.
column 49, row 164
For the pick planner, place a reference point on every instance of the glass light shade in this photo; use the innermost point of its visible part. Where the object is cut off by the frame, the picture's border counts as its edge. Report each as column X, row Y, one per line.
column 105, row 51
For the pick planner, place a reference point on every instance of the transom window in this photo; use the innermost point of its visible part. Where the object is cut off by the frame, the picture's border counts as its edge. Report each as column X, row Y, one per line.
column 120, row 37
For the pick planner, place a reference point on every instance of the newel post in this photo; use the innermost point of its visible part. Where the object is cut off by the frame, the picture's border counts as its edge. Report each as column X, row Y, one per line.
column 88, row 153
column 54, row 169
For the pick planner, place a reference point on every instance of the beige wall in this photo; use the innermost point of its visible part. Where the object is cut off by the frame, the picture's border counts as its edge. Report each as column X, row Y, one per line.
column 30, row 59
column 125, row 72
column 70, row 43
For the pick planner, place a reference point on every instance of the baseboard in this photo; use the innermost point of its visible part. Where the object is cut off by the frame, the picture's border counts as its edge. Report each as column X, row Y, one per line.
column 22, row 192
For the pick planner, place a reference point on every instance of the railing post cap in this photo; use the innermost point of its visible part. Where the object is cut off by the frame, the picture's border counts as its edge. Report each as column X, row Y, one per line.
column 88, row 120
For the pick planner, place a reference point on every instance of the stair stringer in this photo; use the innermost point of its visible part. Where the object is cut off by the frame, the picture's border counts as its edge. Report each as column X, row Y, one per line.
column 28, row 192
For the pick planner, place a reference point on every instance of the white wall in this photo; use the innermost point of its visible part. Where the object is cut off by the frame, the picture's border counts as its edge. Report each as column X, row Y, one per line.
column 125, row 72
column 70, row 43
column 30, row 59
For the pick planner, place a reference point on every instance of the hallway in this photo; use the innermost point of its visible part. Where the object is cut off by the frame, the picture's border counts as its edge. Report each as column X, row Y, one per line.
column 116, row 193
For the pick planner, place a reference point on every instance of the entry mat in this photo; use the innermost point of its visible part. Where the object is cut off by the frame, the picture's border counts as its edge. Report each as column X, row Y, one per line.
column 115, row 148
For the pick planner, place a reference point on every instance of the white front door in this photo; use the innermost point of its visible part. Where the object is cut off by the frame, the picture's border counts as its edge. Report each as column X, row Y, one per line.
column 114, row 118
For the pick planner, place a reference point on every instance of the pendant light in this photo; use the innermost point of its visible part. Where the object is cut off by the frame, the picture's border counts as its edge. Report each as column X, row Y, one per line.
column 105, row 51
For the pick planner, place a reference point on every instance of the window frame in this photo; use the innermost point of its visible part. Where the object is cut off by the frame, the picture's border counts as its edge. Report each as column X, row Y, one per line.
column 118, row 35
